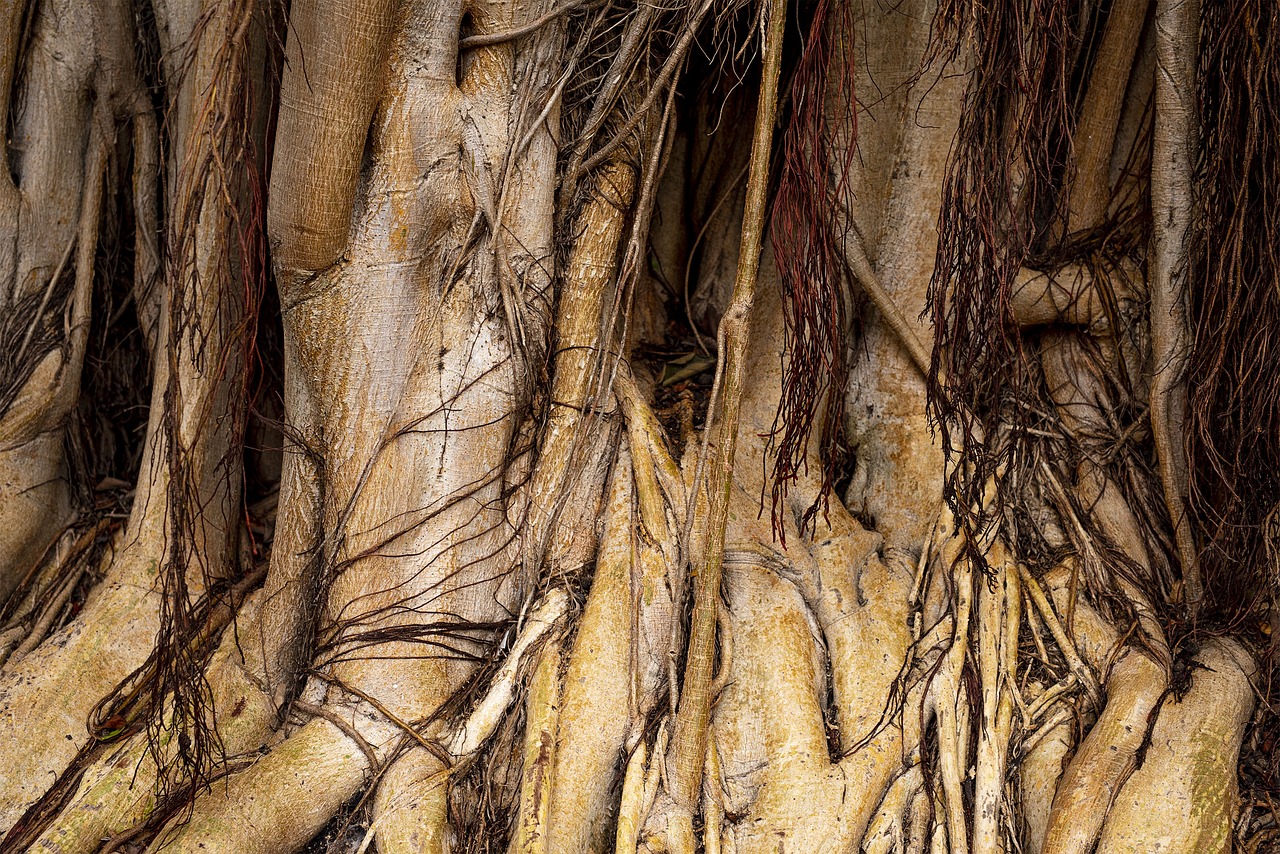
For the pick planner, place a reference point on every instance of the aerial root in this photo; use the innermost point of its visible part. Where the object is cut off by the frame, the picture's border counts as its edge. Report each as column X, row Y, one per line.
column 1078, row 667
column 1040, row 769
column 1173, row 159
column 613, row 678
column 999, row 620
column 712, row 801
column 539, row 753
column 949, row 703
column 411, row 805
column 631, row 807
column 640, row 789
column 486, row 716
column 693, row 714
column 411, row 800
column 1153, row 770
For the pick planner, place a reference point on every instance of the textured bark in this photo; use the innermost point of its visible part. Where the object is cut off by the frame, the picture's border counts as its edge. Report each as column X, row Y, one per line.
column 522, row 590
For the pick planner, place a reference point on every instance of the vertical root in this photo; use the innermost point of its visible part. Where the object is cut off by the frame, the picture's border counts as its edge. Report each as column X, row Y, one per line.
column 539, row 754
column 1172, row 166
column 596, row 712
column 999, row 619
column 689, row 737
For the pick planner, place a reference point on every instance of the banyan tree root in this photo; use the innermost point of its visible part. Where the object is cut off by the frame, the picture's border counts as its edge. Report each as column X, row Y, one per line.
column 324, row 762
column 56, row 685
column 1156, row 772
column 687, row 752
column 1173, row 155
column 833, row 701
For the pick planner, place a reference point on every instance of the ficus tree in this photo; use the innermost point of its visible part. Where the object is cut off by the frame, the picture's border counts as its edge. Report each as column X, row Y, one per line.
column 724, row 426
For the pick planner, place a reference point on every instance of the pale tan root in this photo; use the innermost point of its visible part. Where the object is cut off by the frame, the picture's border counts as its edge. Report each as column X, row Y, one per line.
column 254, row 664
column 687, row 753
column 49, row 147
column 573, row 429
column 1079, row 668
column 1067, row 295
column 1185, row 799
column 712, row 800
column 323, row 124
column 640, row 787
column 540, row 751
column 999, row 620
column 1094, row 139
column 57, row 684
column 769, row 725
column 1039, row 772
column 597, row 695
column 1107, row 755
column 891, row 828
column 950, row 707
column 411, row 806
column 898, row 474
column 768, row 722
column 393, row 343
column 1173, row 153
column 118, row 792
column 284, row 799
column 46, row 590
column 631, row 805
column 484, row 719
column 51, row 690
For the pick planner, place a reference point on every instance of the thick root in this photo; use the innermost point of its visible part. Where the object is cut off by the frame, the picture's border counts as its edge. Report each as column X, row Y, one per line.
column 543, row 715
column 1184, row 798
column 53, row 689
column 286, row 797
column 1039, row 773
column 118, row 792
column 412, row 806
column 1107, row 756
column 1153, row 774
column 597, row 697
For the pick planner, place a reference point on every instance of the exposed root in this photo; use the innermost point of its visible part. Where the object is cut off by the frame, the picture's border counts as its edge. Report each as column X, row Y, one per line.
column 486, row 716
column 893, row 827
column 597, row 711
column 1078, row 667
column 1172, row 166
column 536, row 780
column 1184, row 796
column 999, row 619
column 689, row 733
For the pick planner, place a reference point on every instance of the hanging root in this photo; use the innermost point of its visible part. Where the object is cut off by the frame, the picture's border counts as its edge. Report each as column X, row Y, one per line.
column 1173, row 158
column 1233, row 374
column 689, row 734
